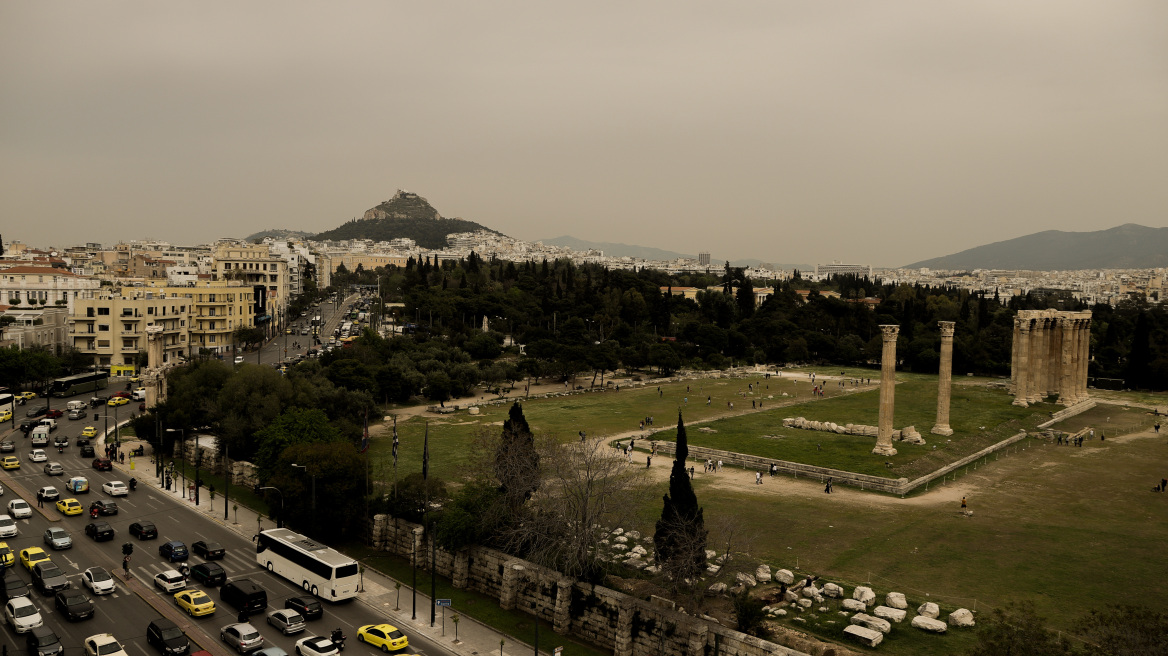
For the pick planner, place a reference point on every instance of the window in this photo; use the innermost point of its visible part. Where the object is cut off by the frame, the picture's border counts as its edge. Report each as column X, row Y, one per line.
column 211, row 339
column 128, row 327
column 103, row 327
column 103, row 312
column 89, row 312
column 103, row 343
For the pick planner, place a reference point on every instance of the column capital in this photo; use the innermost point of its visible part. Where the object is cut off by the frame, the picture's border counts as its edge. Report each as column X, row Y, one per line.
column 947, row 328
column 889, row 332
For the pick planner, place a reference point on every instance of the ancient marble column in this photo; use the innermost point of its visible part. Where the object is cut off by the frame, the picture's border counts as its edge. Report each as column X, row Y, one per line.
column 887, row 391
column 1035, row 359
column 1014, row 357
column 1084, row 358
column 944, row 379
column 1055, row 357
column 1022, row 388
column 1066, row 361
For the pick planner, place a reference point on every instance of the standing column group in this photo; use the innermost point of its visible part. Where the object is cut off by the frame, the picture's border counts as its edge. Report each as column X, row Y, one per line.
column 944, row 379
column 1051, row 351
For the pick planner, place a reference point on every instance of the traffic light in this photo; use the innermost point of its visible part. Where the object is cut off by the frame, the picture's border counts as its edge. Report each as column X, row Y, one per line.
column 127, row 548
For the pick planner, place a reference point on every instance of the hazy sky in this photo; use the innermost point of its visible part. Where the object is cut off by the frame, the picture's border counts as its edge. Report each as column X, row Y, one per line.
column 877, row 132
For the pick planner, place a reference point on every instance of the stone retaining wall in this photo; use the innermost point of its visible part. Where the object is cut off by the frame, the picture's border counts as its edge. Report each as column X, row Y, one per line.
column 1070, row 411
column 595, row 614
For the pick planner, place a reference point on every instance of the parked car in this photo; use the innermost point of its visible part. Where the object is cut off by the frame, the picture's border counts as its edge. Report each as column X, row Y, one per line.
column 144, row 530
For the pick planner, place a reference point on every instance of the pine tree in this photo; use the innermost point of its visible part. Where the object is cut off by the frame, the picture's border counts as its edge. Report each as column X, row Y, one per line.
column 680, row 539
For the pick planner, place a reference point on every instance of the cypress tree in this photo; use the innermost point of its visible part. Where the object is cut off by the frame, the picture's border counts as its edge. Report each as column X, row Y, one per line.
column 680, row 538
column 516, row 460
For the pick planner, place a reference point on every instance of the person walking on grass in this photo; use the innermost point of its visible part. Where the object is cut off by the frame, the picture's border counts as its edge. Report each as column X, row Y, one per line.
column 964, row 506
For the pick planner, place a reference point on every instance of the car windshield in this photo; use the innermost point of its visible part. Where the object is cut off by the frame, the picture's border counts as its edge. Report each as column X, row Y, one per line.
column 46, row 639
column 172, row 633
column 75, row 600
column 199, row 598
column 7, row 521
column 24, row 611
column 108, row 648
column 19, row 505
column 99, row 575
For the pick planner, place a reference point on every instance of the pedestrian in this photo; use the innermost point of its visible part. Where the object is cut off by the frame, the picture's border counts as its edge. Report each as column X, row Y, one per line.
column 691, row 473
column 964, row 506
column 242, row 617
column 719, row 465
column 40, row 499
column 1163, row 484
column 1157, row 427
column 758, row 478
column 648, row 461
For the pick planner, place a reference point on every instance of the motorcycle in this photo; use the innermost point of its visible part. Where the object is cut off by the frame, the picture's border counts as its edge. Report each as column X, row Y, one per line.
column 133, row 484
column 93, row 513
column 338, row 639
column 60, row 449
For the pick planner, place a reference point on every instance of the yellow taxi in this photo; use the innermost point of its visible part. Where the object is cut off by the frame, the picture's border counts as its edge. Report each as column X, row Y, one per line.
column 89, row 431
column 70, row 506
column 31, row 556
column 7, row 558
column 134, row 379
column 117, row 400
column 5, row 414
column 383, row 636
column 195, row 602
column 27, row 396
column 10, row 462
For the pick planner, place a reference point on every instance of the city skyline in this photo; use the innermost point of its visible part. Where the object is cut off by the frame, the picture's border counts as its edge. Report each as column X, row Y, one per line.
column 879, row 135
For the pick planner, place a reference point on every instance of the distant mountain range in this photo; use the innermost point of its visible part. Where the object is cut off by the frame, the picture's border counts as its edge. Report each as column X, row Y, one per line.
column 614, row 249
column 1128, row 246
column 405, row 215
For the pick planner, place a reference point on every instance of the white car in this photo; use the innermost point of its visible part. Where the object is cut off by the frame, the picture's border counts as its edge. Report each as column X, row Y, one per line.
column 103, row 644
column 49, row 493
column 115, row 489
column 316, row 646
column 19, row 508
column 22, row 615
column 170, row 581
column 7, row 527
column 98, row 580
column 38, row 455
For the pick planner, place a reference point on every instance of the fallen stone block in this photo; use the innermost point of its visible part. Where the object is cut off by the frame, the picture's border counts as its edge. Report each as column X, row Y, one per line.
column 961, row 617
column 864, row 594
column 717, row 588
column 864, row 635
column 811, row 592
column 784, row 576
column 805, row 603
column 763, row 574
column 874, row 623
column 832, row 590
column 790, row 597
column 929, row 610
column 745, row 579
column 853, row 605
column 928, row 624
column 896, row 600
column 891, row 614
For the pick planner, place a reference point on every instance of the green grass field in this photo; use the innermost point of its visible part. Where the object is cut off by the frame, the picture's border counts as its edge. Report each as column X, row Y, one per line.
column 1067, row 528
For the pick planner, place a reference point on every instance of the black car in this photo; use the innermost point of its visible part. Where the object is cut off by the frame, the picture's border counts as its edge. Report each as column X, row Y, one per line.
column 14, row 586
column 83, row 441
column 102, row 464
column 104, row 507
column 208, row 550
column 48, row 577
column 98, row 401
column 144, row 530
column 209, row 574
column 43, row 642
column 27, row 425
column 87, row 451
column 7, row 446
column 74, row 605
column 37, row 411
column 99, row 531
column 167, row 638
column 309, row 608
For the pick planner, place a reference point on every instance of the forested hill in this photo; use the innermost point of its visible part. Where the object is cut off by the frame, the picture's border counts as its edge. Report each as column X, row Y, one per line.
column 405, row 215
column 1128, row 246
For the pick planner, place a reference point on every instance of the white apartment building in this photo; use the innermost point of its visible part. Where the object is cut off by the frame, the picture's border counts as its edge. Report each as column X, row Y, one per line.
column 44, row 286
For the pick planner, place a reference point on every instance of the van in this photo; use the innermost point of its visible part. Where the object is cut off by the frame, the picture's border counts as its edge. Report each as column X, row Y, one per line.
column 41, row 430
column 75, row 405
column 244, row 595
column 139, row 394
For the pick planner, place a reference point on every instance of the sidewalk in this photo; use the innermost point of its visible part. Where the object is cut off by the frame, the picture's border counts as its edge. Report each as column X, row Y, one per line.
column 474, row 638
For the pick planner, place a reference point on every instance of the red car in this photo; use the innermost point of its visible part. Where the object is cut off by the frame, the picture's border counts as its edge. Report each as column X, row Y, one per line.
column 103, row 464
column 124, row 395
column 54, row 414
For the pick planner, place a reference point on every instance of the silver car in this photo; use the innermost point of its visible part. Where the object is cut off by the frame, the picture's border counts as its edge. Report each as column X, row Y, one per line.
column 244, row 637
column 58, row 538
column 54, row 469
column 287, row 621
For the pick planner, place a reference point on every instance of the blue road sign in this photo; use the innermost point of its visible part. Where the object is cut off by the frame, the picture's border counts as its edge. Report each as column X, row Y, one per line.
column 443, row 602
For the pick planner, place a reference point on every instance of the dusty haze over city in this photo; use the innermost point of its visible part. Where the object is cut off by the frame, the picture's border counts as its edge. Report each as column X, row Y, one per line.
column 882, row 133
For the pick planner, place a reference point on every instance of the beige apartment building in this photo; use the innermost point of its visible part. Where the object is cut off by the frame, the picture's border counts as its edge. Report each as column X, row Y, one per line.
column 255, row 265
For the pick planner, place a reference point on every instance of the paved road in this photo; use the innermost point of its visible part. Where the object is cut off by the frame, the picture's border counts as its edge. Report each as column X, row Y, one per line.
column 125, row 613
column 285, row 346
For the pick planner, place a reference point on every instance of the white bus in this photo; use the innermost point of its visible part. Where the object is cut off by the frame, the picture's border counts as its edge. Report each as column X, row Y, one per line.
column 346, row 329
column 320, row 570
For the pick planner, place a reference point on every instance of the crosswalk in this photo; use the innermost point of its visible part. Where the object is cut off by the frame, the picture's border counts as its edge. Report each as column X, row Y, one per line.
column 236, row 564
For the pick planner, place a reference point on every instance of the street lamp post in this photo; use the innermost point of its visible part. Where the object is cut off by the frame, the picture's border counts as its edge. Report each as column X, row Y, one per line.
column 198, row 461
column 313, row 475
column 280, row 518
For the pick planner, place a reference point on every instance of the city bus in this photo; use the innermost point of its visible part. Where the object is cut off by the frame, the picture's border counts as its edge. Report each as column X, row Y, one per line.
column 76, row 384
column 324, row 572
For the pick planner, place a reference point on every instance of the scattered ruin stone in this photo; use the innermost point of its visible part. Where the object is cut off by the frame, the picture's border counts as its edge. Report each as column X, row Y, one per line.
column 633, row 535
column 620, row 547
column 929, row 610
column 781, row 612
column 710, row 619
column 891, row 614
column 961, row 617
column 763, row 573
column 874, row 623
column 790, row 597
column 832, row 590
column 864, row 595
column 783, row 576
column 745, row 579
column 928, row 624
column 805, row 603
column 618, row 531
column 621, row 539
column 823, row 609
column 853, row 605
column 811, row 592
column 712, row 569
column 710, row 554
column 895, row 600
column 863, row 635
column 717, row 588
